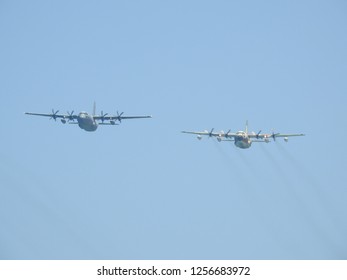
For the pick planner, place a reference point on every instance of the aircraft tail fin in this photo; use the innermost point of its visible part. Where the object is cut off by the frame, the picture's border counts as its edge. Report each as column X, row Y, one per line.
column 94, row 109
column 246, row 130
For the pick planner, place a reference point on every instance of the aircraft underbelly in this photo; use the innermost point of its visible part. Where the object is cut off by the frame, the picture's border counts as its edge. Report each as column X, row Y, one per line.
column 243, row 144
column 87, row 124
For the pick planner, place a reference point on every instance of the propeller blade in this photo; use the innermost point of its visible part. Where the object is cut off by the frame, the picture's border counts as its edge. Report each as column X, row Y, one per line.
column 258, row 134
column 273, row 135
column 70, row 115
column 103, row 116
column 54, row 114
column 119, row 116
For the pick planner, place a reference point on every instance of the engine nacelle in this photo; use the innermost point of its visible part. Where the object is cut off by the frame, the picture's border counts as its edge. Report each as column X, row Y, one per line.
column 286, row 139
column 199, row 137
column 63, row 121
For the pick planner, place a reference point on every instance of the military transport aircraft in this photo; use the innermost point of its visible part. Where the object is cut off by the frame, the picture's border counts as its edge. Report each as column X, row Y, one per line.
column 86, row 121
column 242, row 139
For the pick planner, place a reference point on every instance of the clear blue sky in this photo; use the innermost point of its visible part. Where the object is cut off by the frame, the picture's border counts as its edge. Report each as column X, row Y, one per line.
column 143, row 190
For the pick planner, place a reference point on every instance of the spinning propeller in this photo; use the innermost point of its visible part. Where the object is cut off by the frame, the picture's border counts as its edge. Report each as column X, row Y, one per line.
column 119, row 116
column 103, row 116
column 54, row 115
column 70, row 117
column 257, row 136
column 273, row 135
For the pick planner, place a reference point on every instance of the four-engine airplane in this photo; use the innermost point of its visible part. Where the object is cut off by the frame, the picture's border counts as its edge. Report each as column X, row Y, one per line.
column 242, row 139
column 86, row 121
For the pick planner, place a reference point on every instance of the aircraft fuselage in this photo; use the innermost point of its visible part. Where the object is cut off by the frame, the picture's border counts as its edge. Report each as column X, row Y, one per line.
column 87, row 122
column 242, row 140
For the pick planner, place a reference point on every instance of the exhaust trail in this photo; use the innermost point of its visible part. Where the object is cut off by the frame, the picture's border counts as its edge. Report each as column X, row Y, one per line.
column 238, row 175
column 313, row 184
column 233, row 163
column 304, row 174
column 299, row 168
column 248, row 174
column 307, row 213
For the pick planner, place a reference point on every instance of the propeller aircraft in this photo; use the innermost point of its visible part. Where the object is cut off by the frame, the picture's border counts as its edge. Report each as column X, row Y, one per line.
column 86, row 121
column 242, row 139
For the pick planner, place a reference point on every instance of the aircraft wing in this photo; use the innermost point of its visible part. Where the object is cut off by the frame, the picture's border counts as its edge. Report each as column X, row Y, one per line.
column 55, row 115
column 287, row 135
column 135, row 117
column 119, row 117
column 211, row 133
column 273, row 135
